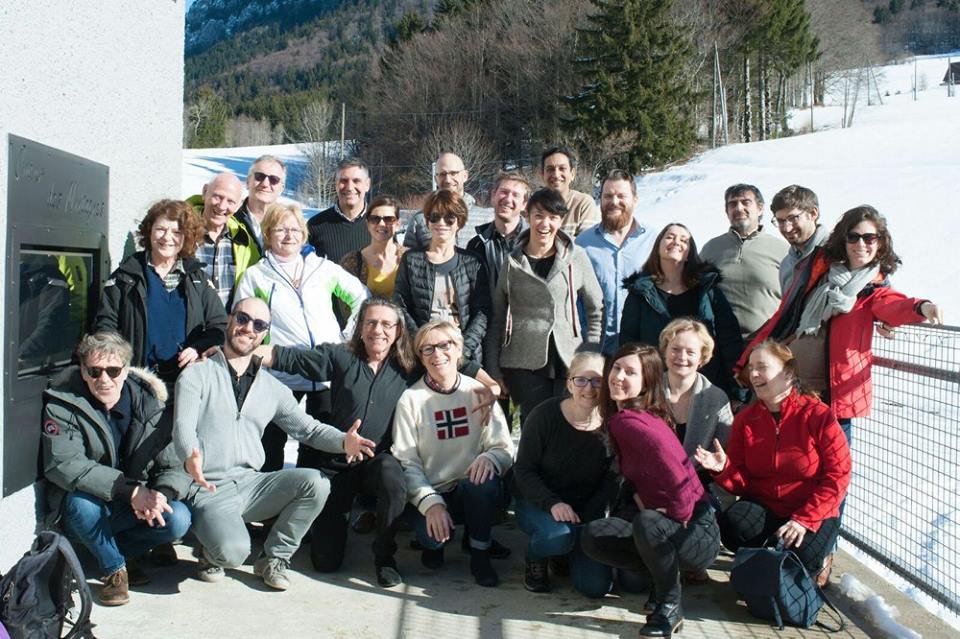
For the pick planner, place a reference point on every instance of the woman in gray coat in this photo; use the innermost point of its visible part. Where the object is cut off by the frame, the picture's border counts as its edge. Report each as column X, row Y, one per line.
column 535, row 328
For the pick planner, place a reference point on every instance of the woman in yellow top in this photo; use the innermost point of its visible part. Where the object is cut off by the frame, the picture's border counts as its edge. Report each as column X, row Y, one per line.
column 376, row 264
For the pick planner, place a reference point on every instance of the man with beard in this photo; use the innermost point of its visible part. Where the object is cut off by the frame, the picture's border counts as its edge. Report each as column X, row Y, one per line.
column 617, row 247
column 223, row 404
column 796, row 212
column 265, row 182
column 748, row 259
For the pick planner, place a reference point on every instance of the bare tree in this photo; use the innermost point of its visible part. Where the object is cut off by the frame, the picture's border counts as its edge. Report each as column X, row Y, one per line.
column 466, row 139
column 311, row 133
column 246, row 131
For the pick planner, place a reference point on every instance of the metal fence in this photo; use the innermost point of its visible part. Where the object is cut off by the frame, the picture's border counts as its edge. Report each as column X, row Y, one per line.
column 903, row 507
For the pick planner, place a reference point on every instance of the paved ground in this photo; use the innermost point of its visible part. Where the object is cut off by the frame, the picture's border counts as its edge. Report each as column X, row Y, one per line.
column 446, row 604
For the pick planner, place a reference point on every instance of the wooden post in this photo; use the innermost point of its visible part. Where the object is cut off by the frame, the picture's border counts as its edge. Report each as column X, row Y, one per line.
column 343, row 127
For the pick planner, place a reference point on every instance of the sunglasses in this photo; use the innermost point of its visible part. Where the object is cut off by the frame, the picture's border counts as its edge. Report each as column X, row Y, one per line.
column 96, row 371
column 430, row 349
column 260, row 177
column 389, row 220
column 259, row 325
column 449, row 218
column 581, row 382
column 868, row 238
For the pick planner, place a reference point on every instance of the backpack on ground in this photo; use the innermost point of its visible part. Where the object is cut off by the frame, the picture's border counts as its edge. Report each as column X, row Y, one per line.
column 36, row 596
column 776, row 586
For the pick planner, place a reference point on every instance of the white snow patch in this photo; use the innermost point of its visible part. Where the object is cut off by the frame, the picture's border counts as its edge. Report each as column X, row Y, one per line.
column 877, row 610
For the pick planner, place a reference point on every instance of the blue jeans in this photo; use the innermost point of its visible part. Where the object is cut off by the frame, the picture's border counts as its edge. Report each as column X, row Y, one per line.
column 550, row 538
column 474, row 505
column 110, row 531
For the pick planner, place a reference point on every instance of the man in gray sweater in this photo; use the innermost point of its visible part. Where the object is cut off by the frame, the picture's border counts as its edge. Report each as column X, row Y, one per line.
column 748, row 259
column 222, row 406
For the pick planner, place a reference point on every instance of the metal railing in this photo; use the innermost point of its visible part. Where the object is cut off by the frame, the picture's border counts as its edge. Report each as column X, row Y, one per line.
column 903, row 506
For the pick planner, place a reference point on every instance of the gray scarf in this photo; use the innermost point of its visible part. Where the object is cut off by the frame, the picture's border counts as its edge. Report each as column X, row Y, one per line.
column 835, row 295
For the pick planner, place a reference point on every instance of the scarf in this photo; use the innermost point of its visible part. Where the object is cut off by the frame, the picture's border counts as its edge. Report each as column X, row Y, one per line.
column 835, row 295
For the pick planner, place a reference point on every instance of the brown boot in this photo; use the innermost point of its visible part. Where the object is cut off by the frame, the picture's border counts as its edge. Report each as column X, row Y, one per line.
column 823, row 577
column 116, row 590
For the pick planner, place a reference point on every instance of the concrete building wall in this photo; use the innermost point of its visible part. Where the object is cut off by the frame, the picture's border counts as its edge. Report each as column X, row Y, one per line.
column 103, row 80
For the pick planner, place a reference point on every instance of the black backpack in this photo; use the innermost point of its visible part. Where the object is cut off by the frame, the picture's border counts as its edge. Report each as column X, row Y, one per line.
column 36, row 596
column 776, row 586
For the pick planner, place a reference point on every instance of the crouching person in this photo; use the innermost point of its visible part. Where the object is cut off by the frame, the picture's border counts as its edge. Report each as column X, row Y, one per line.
column 452, row 464
column 112, row 478
column 223, row 405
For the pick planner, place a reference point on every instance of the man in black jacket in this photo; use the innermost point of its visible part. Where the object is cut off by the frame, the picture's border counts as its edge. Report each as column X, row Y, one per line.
column 342, row 228
column 495, row 240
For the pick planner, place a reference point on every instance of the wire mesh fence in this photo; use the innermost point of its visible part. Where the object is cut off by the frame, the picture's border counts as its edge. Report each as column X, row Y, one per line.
column 903, row 506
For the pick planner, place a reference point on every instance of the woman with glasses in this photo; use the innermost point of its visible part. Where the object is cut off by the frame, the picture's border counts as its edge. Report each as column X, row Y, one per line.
column 535, row 328
column 445, row 282
column 452, row 462
column 562, row 480
column 674, row 282
column 298, row 290
column 159, row 299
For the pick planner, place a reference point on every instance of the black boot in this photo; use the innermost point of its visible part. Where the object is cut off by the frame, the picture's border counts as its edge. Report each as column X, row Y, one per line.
column 328, row 543
column 664, row 621
column 482, row 569
column 536, row 577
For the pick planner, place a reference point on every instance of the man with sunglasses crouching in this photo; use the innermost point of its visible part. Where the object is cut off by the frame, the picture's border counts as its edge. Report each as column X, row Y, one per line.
column 111, row 476
column 223, row 405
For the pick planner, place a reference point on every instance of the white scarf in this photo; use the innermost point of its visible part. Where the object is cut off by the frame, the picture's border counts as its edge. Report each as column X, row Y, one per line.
column 835, row 295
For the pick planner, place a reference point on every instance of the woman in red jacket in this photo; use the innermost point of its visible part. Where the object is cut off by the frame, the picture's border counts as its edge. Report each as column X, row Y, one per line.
column 787, row 458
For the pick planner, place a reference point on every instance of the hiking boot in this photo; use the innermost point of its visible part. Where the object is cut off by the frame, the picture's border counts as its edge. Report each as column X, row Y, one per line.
column 116, row 589
column 164, row 555
column 432, row 558
column 536, row 577
column 135, row 574
column 273, row 571
column 387, row 574
column 482, row 570
column 666, row 620
column 209, row 572
column 823, row 577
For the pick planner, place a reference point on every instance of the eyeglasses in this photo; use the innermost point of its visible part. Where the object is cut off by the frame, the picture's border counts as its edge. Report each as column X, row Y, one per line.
column 449, row 218
column 446, row 174
column 790, row 220
column 384, row 324
column 288, row 231
column 389, row 220
column 868, row 238
column 96, row 371
column 430, row 349
column 581, row 382
column 260, row 177
column 259, row 325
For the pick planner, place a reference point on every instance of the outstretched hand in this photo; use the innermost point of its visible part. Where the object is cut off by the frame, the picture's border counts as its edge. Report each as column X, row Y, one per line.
column 712, row 461
column 485, row 397
column 356, row 446
column 194, row 467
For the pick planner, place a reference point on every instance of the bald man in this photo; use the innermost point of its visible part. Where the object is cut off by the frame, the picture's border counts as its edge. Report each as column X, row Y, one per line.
column 227, row 248
column 451, row 175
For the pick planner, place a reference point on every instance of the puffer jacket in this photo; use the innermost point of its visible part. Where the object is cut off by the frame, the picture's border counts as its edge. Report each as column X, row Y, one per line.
column 645, row 315
column 798, row 467
column 79, row 452
column 413, row 292
column 527, row 310
column 123, row 307
column 303, row 317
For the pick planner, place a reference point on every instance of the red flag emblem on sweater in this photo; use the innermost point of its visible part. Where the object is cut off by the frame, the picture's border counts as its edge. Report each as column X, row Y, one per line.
column 451, row 423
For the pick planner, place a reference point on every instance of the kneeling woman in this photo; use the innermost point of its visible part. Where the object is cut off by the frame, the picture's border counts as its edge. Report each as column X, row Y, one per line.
column 453, row 466
column 563, row 480
column 788, row 458
column 675, row 528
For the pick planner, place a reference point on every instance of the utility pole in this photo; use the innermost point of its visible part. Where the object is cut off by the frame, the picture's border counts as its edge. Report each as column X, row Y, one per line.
column 716, row 98
column 914, row 78
column 343, row 127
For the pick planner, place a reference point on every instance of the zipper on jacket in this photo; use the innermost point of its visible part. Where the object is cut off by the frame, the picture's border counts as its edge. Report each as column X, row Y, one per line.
column 303, row 309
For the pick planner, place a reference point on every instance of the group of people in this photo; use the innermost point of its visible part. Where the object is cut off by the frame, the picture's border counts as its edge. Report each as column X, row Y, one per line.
column 653, row 382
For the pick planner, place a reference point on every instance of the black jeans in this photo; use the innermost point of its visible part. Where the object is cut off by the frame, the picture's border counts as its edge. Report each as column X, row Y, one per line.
column 528, row 389
column 274, row 438
column 750, row 523
column 656, row 545
column 381, row 477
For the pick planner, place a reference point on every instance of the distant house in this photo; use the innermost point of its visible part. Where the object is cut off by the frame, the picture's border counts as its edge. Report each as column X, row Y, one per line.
column 952, row 69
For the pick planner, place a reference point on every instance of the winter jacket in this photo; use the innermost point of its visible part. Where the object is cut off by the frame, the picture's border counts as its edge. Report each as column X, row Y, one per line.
column 849, row 336
column 708, row 417
column 79, row 452
column 493, row 248
column 123, row 307
column 303, row 317
column 413, row 292
column 645, row 315
column 799, row 468
column 245, row 249
column 527, row 310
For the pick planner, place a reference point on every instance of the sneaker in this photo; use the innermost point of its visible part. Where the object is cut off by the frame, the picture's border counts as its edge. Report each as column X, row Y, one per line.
column 116, row 589
column 135, row 574
column 432, row 558
column 273, row 571
column 387, row 574
column 482, row 570
column 209, row 572
column 164, row 555
column 536, row 577
column 365, row 523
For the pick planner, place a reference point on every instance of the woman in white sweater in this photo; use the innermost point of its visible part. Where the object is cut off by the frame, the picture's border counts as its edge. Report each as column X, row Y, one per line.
column 452, row 464
column 299, row 291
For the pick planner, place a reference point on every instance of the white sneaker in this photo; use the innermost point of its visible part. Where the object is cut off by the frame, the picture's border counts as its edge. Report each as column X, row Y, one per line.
column 273, row 571
column 209, row 572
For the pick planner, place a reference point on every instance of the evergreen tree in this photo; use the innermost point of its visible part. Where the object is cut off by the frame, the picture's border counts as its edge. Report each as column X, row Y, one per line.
column 635, row 89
